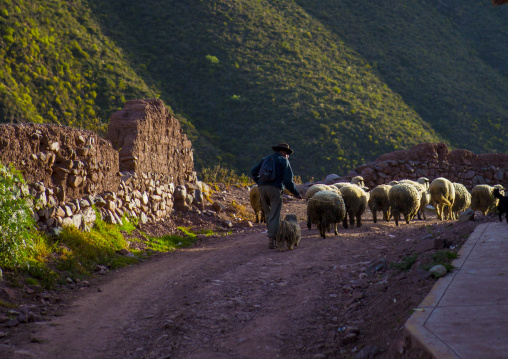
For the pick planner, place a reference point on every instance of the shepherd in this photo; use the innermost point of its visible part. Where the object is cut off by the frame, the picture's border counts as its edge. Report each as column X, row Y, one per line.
column 272, row 174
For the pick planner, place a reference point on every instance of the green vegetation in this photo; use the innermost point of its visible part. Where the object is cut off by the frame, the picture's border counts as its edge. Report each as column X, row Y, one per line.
column 406, row 263
column 221, row 174
column 342, row 82
column 76, row 254
column 170, row 242
column 34, row 258
column 56, row 66
column 18, row 237
column 443, row 257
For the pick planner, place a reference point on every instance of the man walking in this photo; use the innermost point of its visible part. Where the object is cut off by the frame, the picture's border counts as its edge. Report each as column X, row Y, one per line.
column 272, row 174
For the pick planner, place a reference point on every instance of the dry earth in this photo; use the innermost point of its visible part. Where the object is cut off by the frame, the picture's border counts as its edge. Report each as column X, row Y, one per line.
column 232, row 297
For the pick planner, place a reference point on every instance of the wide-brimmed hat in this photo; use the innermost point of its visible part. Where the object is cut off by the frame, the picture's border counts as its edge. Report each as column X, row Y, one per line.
column 282, row 147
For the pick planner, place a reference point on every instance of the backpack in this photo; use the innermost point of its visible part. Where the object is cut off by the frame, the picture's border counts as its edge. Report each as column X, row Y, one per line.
column 267, row 170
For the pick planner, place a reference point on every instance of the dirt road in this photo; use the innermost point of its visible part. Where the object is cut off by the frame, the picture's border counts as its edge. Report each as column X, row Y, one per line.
column 232, row 297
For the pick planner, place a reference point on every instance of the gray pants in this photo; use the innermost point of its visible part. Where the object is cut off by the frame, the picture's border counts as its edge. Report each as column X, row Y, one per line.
column 271, row 200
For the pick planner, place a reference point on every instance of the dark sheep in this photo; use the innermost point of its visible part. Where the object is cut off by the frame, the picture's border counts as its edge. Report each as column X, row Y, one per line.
column 502, row 206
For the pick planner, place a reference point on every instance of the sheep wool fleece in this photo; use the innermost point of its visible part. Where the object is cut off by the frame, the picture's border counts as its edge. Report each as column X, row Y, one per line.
column 271, row 200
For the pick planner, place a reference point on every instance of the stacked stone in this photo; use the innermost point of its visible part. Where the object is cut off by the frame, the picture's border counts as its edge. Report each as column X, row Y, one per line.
column 147, row 197
column 72, row 163
column 50, row 213
column 191, row 194
column 150, row 140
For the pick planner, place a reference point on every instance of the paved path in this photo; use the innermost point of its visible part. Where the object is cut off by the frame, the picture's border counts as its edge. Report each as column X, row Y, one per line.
column 466, row 313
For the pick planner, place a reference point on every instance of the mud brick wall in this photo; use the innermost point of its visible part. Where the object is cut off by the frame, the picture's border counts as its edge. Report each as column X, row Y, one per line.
column 151, row 141
column 134, row 172
column 71, row 163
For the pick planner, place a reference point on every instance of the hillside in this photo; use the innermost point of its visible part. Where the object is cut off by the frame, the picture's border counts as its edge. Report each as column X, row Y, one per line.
column 340, row 81
column 57, row 66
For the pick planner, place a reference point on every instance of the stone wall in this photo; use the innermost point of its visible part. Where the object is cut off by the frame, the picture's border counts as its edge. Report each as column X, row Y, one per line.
column 150, row 140
column 72, row 163
column 144, row 170
column 434, row 160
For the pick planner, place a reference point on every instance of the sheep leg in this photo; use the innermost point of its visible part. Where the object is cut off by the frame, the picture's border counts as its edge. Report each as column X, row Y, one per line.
column 359, row 220
column 344, row 222
column 309, row 224
column 439, row 212
column 335, row 229
column 419, row 215
column 448, row 213
column 351, row 218
column 322, row 230
column 374, row 215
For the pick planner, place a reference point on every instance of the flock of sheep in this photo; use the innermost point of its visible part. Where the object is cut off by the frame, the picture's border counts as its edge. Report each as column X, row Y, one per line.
column 346, row 202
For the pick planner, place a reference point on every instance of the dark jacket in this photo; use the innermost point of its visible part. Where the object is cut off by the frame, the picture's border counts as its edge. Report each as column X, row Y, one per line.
column 283, row 174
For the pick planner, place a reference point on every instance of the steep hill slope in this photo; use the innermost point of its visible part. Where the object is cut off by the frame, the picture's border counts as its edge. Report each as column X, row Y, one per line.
column 250, row 74
column 57, row 66
column 340, row 80
column 445, row 58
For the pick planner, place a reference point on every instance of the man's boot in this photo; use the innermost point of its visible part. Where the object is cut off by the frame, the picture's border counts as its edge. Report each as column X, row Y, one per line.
column 271, row 243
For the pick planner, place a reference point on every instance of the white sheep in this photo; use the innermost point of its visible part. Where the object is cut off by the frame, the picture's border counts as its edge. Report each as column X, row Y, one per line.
column 319, row 187
column 358, row 180
column 462, row 200
column 422, row 187
column 425, row 197
column 324, row 209
column 339, row 185
column 482, row 198
column 355, row 199
column 378, row 201
column 404, row 199
column 442, row 195
column 255, row 202
column 424, row 181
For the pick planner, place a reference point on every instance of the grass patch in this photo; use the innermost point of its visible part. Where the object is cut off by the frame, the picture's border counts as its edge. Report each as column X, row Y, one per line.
column 129, row 225
column 406, row 262
column 6, row 304
column 171, row 242
column 241, row 211
column 221, row 174
column 80, row 252
column 443, row 257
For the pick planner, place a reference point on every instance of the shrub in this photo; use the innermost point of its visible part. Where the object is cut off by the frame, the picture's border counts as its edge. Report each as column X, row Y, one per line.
column 406, row 262
column 219, row 174
column 17, row 226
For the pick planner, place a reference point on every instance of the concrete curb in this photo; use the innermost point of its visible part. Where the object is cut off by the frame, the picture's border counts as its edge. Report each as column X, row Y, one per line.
column 415, row 326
